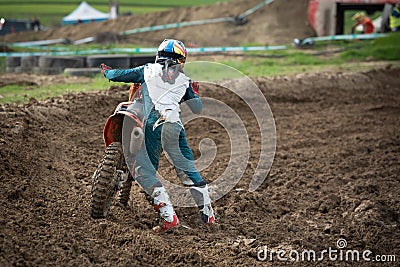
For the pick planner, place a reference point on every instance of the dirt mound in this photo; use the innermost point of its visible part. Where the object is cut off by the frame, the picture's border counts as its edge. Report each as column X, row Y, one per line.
column 277, row 23
column 30, row 79
column 335, row 175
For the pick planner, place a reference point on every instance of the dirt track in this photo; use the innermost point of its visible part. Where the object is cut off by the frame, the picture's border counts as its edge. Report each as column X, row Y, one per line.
column 335, row 175
column 278, row 23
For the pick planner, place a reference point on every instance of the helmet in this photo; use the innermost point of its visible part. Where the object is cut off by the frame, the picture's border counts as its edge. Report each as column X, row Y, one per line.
column 173, row 50
column 359, row 15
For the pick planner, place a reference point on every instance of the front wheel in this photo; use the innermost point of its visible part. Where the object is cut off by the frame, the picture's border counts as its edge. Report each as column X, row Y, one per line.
column 106, row 180
column 125, row 192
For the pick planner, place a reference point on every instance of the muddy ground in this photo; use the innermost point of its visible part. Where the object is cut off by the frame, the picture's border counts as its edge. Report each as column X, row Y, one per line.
column 335, row 175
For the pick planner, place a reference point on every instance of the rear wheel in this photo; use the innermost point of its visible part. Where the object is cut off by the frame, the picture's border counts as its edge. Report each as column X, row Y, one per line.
column 106, row 180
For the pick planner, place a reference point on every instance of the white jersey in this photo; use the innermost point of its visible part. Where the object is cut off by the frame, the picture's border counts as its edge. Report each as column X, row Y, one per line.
column 165, row 96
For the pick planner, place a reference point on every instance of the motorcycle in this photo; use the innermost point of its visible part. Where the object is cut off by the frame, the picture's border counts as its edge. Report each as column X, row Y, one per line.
column 123, row 137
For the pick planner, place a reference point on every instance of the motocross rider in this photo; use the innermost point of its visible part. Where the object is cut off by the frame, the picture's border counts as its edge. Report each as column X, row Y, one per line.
column 164, row 87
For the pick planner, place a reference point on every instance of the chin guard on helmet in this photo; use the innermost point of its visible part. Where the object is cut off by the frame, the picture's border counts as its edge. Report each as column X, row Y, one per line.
column 170, row 71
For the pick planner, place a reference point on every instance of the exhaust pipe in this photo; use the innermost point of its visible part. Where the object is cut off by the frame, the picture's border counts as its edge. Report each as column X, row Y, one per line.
column 137, row 137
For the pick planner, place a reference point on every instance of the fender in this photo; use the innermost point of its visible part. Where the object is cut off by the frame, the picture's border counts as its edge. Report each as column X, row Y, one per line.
column 112, row 131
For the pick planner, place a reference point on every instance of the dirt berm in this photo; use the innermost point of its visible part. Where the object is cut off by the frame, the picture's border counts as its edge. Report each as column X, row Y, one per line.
column 277, row 23
column 335, row 175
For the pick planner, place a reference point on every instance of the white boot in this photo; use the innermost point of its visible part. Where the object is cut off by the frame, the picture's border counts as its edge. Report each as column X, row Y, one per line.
column 202, row 198
column 162, row 204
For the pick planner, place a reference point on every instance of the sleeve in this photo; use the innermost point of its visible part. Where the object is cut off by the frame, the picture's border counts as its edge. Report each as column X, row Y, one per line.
column 134, row 75
column 192, row 100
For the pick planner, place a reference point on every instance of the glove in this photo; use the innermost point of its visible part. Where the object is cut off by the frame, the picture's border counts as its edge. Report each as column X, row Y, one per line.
column 104, row 67
column 195, row 87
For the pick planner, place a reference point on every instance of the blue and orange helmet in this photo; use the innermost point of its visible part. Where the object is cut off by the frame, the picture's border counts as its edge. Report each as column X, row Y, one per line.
column 171, row 49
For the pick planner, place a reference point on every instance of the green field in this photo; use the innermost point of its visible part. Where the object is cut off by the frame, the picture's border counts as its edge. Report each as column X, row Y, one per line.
column 51, row 13
column 328, row 56
column 343, row 55
column 22, row 93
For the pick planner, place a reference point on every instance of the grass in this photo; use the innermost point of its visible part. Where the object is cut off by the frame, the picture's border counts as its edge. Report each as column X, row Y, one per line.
column 51, row 13
column 386, row 48
column 297, row 61
column 166, row 3
column 346, row 55
column 23, row 93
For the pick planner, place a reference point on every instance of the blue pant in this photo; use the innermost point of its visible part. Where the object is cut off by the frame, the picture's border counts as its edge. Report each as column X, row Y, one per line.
column 170, row 137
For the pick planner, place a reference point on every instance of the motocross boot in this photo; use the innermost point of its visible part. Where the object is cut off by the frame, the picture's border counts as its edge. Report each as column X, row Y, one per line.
column 201, row 196
column 162, row 204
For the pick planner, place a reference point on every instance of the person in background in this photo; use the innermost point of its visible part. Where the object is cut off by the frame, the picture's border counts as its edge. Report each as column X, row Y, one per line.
column 362, row 19
column 35, row 24
column 395, row 18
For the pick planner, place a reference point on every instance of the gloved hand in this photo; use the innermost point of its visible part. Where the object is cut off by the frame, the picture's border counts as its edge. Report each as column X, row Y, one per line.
column 195, row 87
column 104, row 67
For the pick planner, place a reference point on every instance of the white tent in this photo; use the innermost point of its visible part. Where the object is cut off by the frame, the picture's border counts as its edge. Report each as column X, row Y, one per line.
column 84, row 13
